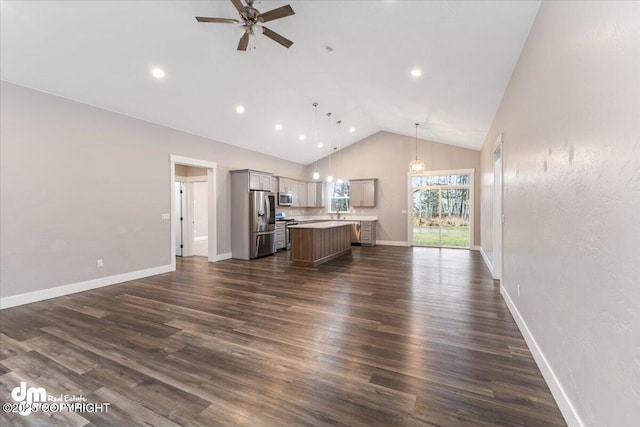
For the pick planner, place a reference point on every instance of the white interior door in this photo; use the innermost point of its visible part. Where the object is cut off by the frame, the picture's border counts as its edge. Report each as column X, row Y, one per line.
column 200, row 220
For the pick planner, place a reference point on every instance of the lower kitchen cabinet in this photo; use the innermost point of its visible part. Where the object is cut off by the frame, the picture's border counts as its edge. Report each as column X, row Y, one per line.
column 281, row 241
column 368, row 233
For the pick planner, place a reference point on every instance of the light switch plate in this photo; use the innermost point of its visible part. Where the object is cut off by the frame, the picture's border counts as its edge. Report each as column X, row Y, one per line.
column 166, row 216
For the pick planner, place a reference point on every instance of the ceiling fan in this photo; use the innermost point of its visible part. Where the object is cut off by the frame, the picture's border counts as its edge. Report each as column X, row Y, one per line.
column 252, row 21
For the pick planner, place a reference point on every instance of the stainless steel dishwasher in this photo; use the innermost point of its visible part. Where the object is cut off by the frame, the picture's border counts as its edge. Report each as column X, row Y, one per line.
column 355, row 233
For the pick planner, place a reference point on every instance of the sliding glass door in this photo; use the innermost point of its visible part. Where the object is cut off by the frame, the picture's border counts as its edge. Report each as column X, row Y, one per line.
column 441, row 210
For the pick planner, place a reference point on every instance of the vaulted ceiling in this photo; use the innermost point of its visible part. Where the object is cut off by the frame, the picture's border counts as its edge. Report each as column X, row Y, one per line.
column 102, row 53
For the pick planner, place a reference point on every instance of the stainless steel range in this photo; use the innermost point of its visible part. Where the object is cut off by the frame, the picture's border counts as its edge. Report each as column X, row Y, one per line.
column 281, row 216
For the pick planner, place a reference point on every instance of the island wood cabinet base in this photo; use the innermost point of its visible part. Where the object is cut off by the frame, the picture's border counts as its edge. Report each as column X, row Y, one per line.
column 313, row 246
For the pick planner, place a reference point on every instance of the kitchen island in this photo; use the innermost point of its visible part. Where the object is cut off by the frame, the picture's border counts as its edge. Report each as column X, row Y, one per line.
column 315, row 243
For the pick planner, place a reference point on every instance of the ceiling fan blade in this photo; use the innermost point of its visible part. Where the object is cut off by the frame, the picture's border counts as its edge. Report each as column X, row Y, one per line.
column 276, row 37
column 218, row 20
column 244, row 42
column 240, row 8
column 278, row 13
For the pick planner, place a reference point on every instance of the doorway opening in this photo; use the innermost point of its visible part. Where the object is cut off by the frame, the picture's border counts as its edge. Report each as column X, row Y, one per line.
column 193, row 206
column 191, row 214
column 441, row 206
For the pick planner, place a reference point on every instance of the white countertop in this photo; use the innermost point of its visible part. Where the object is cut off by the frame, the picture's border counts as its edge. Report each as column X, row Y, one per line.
column 343, row 217
column 324, row 225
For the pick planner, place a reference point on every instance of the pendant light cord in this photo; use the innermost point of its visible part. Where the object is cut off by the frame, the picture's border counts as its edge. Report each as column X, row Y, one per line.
column 330, row 154
column 417, row 124
column 315, row 136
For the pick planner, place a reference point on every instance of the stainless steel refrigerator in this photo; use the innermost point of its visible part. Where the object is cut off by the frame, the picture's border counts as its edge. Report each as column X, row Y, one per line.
column 262, row 224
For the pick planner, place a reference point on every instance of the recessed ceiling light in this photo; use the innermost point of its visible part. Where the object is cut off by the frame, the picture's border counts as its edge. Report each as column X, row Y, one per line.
column 320, row 145
column 352, row 130
column 240, row 109
column 416, row 72
column 158, row 73
column 278, row 126
column 302, row 137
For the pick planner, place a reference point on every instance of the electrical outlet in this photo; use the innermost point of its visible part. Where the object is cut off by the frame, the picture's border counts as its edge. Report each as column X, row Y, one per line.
column 518, row 290
column 99, row 263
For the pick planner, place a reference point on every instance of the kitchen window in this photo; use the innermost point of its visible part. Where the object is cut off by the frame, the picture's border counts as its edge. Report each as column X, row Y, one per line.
column 339, row 201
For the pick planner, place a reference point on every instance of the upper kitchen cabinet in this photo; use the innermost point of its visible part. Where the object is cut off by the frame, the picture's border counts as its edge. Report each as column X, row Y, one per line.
column 303, row 194
column 259, row 181
column 315, row 194
column 363, row 192
column 285, row 185
column 255, row 180
column 300, row 198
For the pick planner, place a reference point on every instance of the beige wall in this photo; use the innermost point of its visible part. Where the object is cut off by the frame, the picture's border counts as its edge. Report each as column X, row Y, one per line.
column 570, row 118
column 386, row 156
column 78, row 183
column 190, row 171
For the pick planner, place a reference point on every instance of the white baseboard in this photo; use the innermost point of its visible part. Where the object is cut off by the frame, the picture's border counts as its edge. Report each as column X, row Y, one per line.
column 200, row 238
column 486, row 260
column 59, row 291
column 222, row 257
column 391, row 243
column 568, row 411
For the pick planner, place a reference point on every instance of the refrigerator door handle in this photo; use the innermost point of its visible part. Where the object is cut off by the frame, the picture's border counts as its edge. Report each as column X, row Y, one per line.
column 266, row 199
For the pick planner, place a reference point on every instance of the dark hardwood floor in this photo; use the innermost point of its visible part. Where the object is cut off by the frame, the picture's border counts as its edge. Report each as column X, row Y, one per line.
column 388, row 336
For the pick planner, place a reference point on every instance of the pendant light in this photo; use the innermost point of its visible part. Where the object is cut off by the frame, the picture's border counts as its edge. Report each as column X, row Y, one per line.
column 330, row 176
column 316, row 174
column 416, row 166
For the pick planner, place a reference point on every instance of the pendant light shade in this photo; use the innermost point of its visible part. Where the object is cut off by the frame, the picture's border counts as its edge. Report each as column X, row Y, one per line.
column 416, row 166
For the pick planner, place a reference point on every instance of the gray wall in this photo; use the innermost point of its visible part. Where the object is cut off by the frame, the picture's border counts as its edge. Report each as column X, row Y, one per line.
column 386, row 156
column 571, row 123
column 78, row 183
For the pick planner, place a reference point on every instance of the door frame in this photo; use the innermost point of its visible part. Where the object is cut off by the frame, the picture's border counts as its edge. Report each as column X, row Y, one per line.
column 498, row 210
column 472, row 210
column 211, row 168
column 183, row 210
column 188, row 240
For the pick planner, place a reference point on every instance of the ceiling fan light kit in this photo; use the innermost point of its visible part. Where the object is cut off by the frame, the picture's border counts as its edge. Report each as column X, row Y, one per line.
column 252, row 22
